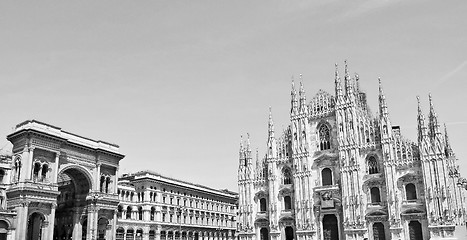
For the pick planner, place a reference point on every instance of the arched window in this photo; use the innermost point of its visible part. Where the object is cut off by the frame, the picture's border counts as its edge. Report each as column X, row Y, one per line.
column 45, row 169
column 372, row 165
column 326, row 177
column 287, row 203
column 37, row 169
column 140, row 213
column 102, row 183
column 287, row 177
column 324, row 137
column 375, row 196
column 262, row 205
column 378, row 231
column 153, row 214
column 410, row 191
column 17, row 169
column 128, row 212
column 120, row 211
column 107, row 184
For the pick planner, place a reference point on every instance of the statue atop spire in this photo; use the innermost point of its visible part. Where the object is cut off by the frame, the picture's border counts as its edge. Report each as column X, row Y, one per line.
column 270, row 125
column 422, row 131
column 294, row 101
column 448, row 148
column 383, row 108
column 303, row 107
column 433, row 123
column 338, row 84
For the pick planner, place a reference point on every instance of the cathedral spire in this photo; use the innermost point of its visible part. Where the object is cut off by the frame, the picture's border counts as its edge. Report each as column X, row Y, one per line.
column 383, row 108
column 348, row 82
column 338, row 84
column 422, row 130
column 294, row 102
column 272, row 147
column 248, row 149
column 270, row 125
column 242, row 152
column 435, row 129
column 448, row 148
column 302, row 96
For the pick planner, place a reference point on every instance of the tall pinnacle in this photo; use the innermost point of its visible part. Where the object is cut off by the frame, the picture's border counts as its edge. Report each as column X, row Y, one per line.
column 302, row 96
column 348, row 82
column 383, row 108
column 422, row 131
column 294, row 102
column 270, row 125
column 448, row 148
column 433, row 123
column 338, row 84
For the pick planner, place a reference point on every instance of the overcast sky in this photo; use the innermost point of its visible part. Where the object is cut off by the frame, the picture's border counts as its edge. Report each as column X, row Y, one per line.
column 175, row 83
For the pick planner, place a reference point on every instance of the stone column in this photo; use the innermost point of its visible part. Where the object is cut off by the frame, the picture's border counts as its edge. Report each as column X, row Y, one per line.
column 22, row 224
column 50, row 227
column 78, row 228
column 97, row 178
column 26, row 164
column 55, row 167
column 92, row 222
column 111, row 234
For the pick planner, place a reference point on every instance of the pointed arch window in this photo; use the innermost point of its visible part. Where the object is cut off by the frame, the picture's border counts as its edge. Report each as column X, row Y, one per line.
column 410, row 192
column 324, row 137
column 372, row 165
column 287, row 176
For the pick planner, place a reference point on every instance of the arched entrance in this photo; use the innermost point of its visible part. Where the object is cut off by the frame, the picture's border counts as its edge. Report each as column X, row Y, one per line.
column 415, row 230
column 378, row 231
column 35, row 224
column 264, row 234
column 70, row 215
column 289, row 234
column 102, row 228
column 3, row 230
column 330, row 227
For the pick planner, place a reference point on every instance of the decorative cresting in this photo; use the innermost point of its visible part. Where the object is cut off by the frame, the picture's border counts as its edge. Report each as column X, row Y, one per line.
column 321, row 105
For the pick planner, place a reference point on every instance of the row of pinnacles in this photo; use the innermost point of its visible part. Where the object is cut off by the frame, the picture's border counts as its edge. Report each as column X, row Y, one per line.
column 338, row 172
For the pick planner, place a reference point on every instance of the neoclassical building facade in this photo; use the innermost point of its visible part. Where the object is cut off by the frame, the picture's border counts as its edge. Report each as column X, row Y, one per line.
column 61, row 186
column 338, row 172
column 58, row 185
column 153, row 206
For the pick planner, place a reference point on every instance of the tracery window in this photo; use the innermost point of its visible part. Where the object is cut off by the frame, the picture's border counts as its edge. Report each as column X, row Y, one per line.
column 410, row 191
column 372, row 165
column 326, row 177
column 324, row 137
column 287, row 177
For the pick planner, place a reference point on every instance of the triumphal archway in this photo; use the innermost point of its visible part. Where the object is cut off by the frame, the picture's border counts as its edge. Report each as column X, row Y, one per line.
column 64, row 186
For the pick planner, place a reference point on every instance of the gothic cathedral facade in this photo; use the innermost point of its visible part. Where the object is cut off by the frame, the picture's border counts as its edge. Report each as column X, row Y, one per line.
column 337, row 172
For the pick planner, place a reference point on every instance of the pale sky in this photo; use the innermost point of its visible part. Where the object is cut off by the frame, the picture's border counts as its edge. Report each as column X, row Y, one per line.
column 175, row 83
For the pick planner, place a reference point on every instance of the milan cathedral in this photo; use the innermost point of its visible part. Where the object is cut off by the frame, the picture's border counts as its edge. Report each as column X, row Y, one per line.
column 338, row 172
